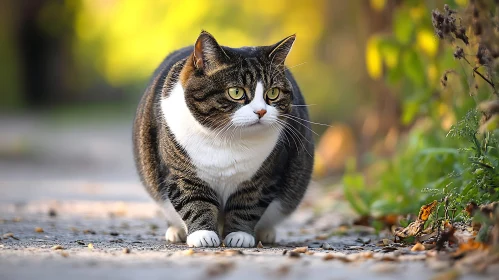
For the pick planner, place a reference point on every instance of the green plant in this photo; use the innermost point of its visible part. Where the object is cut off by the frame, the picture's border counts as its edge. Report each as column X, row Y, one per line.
column 455, row 163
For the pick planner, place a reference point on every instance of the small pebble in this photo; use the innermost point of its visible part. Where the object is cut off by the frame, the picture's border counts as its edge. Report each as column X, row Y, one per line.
column 326, row 246
column 52, row 213
column 294, row 254
column 127, row 250
column 38, row 229
column 90, row 246
column 57, row 247
column 259, row 245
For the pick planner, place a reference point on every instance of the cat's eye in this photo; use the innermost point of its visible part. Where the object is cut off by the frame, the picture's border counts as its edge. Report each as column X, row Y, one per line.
column 272, row 93
column 236, row 93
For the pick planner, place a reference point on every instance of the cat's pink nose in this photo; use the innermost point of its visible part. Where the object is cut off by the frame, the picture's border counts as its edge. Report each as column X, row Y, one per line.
column 260, row 113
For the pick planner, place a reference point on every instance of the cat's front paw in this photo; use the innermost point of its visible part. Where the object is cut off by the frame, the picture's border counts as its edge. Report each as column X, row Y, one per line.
column 203, row 238
column 239, row 239
column 175, row 234
column 266, row 236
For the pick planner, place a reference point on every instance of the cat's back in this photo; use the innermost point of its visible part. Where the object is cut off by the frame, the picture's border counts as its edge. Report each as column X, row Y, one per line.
column 146, row 127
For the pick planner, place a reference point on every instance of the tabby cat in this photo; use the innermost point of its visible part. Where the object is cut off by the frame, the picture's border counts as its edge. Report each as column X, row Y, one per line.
column 223, row 143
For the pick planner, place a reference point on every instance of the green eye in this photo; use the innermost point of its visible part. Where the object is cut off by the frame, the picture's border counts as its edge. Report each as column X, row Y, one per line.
column 273, row 93
column 236, row 93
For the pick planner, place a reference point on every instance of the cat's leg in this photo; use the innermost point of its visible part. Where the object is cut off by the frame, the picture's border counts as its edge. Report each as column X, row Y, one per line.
column 176, row 232
column 265, row 228
column 197, row 206
column 243, row 210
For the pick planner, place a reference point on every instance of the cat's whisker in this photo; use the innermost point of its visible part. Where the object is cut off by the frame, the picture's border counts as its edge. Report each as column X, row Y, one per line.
column 288, row 68
column 297, row 131
column 295, row 117
column 302, row 125
column 297, row 134
column 302, row 105
column 293, row 134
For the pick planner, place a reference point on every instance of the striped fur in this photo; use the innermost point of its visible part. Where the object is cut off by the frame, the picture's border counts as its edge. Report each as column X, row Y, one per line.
column 198, row 155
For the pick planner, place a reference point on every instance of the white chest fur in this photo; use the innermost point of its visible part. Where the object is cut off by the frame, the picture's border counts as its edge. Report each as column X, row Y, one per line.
column 224, row 165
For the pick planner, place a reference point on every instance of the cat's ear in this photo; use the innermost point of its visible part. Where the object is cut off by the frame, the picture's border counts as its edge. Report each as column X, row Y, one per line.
column 208, row 55
column 280, row 50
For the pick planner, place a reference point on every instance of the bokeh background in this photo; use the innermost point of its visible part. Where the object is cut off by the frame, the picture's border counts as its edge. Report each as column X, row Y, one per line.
column 72, row 72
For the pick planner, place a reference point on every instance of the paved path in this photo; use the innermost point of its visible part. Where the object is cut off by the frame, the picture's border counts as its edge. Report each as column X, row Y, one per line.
column 77, row 185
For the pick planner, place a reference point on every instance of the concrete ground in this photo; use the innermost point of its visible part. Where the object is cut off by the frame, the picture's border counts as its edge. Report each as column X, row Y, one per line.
column 71, row 207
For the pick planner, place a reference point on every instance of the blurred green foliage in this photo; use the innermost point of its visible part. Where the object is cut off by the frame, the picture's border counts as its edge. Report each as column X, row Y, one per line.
column 440, row 157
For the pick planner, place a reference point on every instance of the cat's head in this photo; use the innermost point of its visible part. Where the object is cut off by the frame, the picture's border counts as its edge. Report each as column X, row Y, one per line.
column 237, row 88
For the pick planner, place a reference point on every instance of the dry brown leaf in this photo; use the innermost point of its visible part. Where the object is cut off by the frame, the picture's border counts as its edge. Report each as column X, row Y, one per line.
column 232, row 252
column 469, row 246
column 300, row 250
column 57, row 247
column 188, row 252
column 39, row 229
column 417, row 226
column 418, row 247
column 259, row 245
column 328, row 257
column 426, row 210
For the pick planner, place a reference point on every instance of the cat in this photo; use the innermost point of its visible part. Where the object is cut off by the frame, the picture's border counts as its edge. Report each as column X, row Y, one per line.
column 223, row 143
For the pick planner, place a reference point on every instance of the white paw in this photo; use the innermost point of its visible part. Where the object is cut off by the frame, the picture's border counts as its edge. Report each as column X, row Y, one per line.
column 175, row 235
column 203, row 238
column 239, row 239
column 266, row 236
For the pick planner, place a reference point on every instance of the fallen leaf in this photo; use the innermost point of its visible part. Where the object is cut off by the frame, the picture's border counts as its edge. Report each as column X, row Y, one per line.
column 232, row 252
column 471, row 245
column 127, row 250
column 418, row 247
column 259, row 245
column 38, row 229
column 446, row 235
column 417, row 226
column 188, row 252
column 300, row 250
column 57, row 247
column 426, row 210
column 328, row 257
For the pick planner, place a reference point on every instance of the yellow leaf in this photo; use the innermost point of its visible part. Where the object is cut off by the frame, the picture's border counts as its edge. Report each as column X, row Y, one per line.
column 427, row 42
column 373, row 59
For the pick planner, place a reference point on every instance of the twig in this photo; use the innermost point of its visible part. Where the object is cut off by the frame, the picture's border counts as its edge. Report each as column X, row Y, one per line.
column 483, row 77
